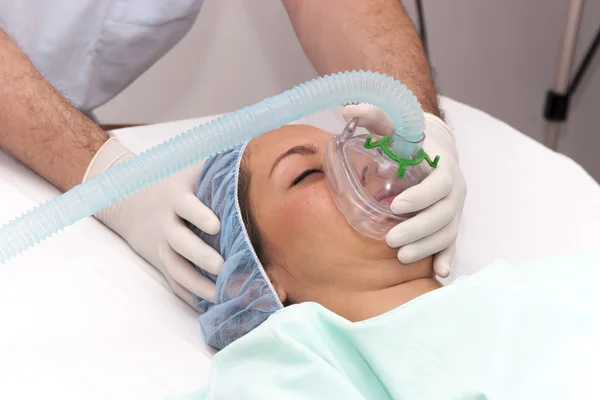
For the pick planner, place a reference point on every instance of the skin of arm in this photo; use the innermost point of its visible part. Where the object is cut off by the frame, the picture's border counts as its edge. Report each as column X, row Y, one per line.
column 38, row 126
column 376, row 35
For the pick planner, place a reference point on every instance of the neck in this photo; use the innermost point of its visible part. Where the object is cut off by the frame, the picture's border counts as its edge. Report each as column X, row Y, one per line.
column 365, row 305
column 382, row 286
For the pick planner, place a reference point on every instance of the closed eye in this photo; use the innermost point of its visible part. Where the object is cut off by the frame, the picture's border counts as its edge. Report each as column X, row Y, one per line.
column 306, row 173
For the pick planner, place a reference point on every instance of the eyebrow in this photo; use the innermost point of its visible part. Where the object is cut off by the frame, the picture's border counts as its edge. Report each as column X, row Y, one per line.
column 307, row 149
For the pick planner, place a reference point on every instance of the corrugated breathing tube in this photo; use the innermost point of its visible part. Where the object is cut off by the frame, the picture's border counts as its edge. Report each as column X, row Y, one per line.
column 214, row 137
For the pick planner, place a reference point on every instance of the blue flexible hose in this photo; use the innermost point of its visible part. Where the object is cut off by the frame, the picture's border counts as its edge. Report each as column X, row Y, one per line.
column 214, row 137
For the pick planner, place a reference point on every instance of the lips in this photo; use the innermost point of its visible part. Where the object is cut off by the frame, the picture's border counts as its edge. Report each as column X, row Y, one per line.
column 386, row 195
column 386, row 201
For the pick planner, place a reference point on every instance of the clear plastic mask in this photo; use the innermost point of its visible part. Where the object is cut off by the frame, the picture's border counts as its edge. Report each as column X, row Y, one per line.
column 364, row 181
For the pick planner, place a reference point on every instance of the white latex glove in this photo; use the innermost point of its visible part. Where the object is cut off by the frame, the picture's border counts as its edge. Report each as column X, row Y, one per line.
column 152, row 221
column 438, row 200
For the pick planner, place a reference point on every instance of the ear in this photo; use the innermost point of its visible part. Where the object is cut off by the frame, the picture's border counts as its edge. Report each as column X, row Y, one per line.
column 281, row 292
column 274, row 276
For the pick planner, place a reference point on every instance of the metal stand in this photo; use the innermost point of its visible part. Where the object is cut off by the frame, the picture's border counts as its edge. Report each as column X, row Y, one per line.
column 557, row 97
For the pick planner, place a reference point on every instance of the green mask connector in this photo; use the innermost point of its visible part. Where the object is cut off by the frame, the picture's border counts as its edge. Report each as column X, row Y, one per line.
column 385, row 143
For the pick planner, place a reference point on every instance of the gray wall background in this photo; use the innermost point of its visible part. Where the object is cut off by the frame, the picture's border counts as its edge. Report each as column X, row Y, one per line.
column 498, row 56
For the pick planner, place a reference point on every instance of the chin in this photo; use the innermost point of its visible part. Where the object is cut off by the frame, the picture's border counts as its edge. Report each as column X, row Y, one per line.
column 378, row 248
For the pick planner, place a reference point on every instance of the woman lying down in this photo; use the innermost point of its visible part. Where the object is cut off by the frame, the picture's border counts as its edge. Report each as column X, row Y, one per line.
column 307, row 307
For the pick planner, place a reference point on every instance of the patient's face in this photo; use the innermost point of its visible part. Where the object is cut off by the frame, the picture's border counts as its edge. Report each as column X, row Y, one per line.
column 309, row 247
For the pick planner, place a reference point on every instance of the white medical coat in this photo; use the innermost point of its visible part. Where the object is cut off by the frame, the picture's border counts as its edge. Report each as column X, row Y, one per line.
column 90, row 50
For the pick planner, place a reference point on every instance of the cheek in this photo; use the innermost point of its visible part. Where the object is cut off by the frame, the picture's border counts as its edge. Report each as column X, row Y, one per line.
column 308, row 213
column 308, row 226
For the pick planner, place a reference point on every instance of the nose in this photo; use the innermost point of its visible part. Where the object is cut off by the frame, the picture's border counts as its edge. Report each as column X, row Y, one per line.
column 386, row 170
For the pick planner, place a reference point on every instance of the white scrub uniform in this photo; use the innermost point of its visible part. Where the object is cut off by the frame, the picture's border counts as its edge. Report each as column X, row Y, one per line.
column 90, row 50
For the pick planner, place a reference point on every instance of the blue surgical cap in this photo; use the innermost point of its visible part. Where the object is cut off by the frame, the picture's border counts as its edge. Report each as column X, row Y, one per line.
column 245, row 297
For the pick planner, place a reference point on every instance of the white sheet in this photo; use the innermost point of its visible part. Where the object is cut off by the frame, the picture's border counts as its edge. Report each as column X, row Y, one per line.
column 84, row 317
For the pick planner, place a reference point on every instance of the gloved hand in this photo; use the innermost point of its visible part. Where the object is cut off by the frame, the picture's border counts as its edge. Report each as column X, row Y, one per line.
column 438, row 200
column 152, row 221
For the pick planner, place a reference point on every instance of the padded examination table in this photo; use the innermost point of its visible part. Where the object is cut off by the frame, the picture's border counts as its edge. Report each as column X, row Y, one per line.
column 83, row 317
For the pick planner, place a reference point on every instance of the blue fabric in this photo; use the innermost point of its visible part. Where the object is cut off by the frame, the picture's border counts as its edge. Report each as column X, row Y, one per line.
column 90, row 50
column 245, row 297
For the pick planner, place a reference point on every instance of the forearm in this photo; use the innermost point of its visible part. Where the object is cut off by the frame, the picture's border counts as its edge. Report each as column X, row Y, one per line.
column 376, row 35
column 38, row 126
